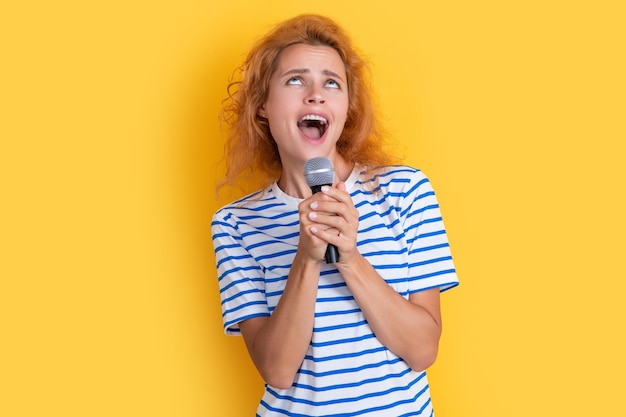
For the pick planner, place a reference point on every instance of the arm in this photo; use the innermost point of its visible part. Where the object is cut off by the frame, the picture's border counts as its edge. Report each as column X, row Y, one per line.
column 409, row 328
column 277, row 344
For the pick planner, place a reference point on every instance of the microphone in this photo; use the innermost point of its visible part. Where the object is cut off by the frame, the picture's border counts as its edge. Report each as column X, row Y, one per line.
column 318, row 172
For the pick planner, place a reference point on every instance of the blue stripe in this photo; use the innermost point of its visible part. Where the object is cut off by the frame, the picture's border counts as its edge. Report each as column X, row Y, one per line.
column 343, row 341
column 267, row 227
column 274, row 293
column 410, row 191
column 280, row 215
column 276, row 255
column 386, row 252
column 282, row 266
column 337, row 313
column 431, row 261
column 219, row 236
column 239, row 294
column 419, row 210
column 350, row 370
column 222, row 223
column 339, row 326
column 390, row 266
column 333, row 299
column 424, row 195
column 379, row 226
column 427, row 248
column 231, row 246
column 431, row 234
column 423, row 222
column 381, row 239
column 369, row 214
column 443, row 287
column 365, row 411
column 233, row 258
column 334, row 285
column 353, row 399
column 239, row 307
column 433, row 274
column 277, row 241
column 238, row 269
column 345, row 355
column 353, row 384
column 239, row 281
column 421, row 410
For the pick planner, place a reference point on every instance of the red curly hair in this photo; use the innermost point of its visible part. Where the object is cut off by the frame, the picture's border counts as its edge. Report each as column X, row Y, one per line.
column 250, row 147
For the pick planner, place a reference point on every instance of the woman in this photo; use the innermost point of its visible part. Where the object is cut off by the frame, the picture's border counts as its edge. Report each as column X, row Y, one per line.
column 352, row 337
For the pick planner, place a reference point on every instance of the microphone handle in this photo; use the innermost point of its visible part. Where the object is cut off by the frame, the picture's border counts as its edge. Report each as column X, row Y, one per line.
column 317, row 188
column 332, row 253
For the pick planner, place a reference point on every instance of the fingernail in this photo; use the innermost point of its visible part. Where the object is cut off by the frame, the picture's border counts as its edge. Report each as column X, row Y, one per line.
column 314, row 205
column 312, row 215
column 325, row 188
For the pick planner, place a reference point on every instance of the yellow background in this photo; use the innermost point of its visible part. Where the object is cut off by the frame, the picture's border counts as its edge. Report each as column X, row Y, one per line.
column 110, row 149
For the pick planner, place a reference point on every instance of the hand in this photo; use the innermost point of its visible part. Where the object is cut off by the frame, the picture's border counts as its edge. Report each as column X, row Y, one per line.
column 332, row 218
column 311, row 246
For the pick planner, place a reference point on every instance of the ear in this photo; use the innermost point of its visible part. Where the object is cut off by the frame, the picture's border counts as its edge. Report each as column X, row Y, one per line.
column 261, row 113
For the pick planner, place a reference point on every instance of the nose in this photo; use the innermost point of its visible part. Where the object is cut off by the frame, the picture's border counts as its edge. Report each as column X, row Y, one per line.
column 315, row 96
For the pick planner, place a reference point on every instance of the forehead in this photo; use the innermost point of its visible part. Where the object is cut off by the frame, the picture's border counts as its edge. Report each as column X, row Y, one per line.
column 310, row 57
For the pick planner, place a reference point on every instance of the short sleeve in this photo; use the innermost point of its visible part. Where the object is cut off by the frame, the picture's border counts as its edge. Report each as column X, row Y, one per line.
column 430, row 258
column 241, row 279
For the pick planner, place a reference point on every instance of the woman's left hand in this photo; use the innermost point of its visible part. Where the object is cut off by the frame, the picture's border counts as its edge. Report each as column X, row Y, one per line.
column 337, row 220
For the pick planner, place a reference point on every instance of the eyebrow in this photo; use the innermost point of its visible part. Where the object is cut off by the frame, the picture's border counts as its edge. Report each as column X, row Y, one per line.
column 306, row 71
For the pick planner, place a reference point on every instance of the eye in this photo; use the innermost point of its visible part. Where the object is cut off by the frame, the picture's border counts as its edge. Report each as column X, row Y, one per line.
column 332, row 84
column 294, row 81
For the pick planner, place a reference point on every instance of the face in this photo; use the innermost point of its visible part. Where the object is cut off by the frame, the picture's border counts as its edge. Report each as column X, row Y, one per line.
column 307, row 103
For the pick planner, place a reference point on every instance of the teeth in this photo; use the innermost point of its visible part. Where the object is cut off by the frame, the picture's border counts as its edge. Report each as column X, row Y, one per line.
column 320, row 119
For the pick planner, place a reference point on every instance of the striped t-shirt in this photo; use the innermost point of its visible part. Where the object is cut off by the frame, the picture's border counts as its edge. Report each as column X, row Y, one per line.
column 346, row 371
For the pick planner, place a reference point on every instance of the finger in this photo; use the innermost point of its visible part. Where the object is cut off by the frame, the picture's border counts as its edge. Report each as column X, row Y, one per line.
column 334, row 212
column 332, row 229
column 327, row 235
column 334, row 192
column 338, row 193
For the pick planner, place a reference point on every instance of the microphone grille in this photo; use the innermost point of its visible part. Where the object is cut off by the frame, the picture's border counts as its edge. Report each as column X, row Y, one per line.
column 319, row 171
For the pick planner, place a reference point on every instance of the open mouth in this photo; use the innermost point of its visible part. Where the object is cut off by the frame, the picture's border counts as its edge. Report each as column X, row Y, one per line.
column 313, row 126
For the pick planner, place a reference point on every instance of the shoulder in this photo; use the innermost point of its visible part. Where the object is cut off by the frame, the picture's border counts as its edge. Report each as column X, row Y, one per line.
column 253, row 202
column 392, row 178
column 388, row 171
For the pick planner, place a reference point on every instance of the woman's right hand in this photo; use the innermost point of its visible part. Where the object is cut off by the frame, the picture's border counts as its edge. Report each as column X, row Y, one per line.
column 310, row 245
